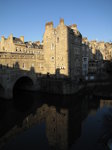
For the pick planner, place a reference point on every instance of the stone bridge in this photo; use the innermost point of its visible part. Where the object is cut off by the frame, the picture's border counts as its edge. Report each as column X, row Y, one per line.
column 11, row 79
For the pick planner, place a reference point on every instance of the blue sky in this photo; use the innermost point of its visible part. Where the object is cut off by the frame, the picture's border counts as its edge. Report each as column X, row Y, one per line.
column 28, row 17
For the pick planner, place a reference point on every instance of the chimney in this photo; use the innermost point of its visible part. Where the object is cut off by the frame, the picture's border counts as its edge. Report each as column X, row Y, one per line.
column 49, row 25
column 61, row 21
column 74, row 27
column 22, row 38
column 2, row 39
column 11, row 38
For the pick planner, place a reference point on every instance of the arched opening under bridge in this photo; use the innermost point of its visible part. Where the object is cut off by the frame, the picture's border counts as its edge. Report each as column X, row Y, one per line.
column 23, row 83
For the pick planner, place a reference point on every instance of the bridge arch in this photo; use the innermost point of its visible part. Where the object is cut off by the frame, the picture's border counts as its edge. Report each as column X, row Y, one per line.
column 26, row 81
column 23, row 82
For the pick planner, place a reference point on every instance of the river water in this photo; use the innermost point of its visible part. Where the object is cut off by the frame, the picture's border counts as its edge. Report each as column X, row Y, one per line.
column 36, row 121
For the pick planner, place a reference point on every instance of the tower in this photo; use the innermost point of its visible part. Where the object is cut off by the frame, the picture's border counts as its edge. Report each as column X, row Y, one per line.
column 56, row 49
column 62, row 50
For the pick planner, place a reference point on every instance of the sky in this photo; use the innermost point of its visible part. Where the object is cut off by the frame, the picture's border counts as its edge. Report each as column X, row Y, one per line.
column 28, row 17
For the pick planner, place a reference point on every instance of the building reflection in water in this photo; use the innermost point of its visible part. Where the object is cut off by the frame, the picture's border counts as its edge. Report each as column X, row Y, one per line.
column 106, row 106
column 105, row 103
column 62, row 116
column 63, row 126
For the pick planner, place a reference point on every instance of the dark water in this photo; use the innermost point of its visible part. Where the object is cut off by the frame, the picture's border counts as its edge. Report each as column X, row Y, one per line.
column 34, row 121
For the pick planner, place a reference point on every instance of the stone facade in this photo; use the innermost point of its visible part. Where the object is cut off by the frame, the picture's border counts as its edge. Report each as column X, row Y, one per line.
column 15, row 53
column 59, row 55
column 62, row 50
column 97, row 53
column 62, row 54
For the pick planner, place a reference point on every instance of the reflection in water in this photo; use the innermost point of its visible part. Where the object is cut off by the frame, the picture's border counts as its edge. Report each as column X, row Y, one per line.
column 24, row 101
column 105, row 103
column 52, row 122
column 107, row 119
column 63, row 127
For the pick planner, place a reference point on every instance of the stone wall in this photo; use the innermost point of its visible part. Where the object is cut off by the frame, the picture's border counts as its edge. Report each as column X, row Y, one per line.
column 62, row 50
column 56, row 48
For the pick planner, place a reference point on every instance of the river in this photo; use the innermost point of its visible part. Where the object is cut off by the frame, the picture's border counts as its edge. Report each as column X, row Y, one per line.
column 40, row 121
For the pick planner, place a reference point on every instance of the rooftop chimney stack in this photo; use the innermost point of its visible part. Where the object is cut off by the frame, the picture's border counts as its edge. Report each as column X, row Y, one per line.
column 22, row 38
column 49, row 25
column 61, row 21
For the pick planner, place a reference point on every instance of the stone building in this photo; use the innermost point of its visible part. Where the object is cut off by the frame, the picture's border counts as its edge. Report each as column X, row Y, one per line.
column 62, row 54
column 62, row 50
column 87, row 55
column 15, row 53
column 97, row 54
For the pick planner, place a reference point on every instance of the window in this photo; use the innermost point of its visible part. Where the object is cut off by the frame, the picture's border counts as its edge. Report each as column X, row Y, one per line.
column 32, row 65
column 76, row 40
column 76, row 51
column 84, row 66
column 47, row 38
column 3, row 48
column 52, row 58
column 57, row 39
column 41, row 66
column 23, row 65
column 54, row 32
column 85, row 59
column 24, row 50
column 52, row 46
